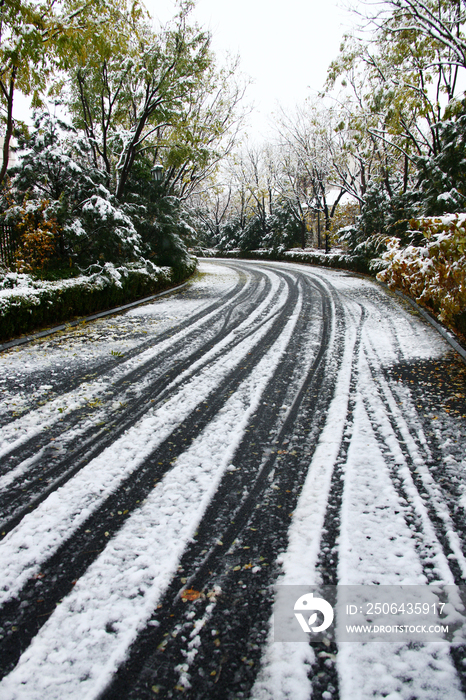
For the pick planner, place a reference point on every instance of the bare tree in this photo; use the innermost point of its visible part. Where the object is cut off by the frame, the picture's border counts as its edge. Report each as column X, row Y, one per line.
column 308, row 138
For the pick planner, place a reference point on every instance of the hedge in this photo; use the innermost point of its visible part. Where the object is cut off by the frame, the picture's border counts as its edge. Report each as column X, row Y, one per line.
column 340, row 261
column 27, row 304
column 433, row 272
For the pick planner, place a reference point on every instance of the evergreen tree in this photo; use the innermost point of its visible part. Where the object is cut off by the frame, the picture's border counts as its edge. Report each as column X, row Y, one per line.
column 56, row 176
column 441, row 185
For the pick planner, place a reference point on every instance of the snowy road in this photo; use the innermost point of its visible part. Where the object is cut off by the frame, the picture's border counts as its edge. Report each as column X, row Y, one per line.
column 162, row 469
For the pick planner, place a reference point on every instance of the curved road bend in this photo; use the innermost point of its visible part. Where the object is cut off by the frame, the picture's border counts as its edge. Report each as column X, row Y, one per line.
column 162, row 470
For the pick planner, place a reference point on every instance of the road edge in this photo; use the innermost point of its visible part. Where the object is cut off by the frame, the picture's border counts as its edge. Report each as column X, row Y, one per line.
column 447, row 334
column 84, row 319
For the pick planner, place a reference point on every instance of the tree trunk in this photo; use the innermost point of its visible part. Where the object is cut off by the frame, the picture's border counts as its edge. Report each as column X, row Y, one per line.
column 9, row 124
column 303, row 234
column 327, row 225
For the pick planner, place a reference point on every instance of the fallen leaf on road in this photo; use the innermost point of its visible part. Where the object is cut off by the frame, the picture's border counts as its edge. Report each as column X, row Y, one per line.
column 190, row 594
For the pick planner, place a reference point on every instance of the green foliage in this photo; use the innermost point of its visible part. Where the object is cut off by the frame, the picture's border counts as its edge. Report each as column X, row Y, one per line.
column 276, row 231
column 137, row 96
column 374, row 211
column 381, row 217
column 26, row 32
column 35, row 36
column 285, row 228
column 56, row 166
column 441, row 186
column 254, row 233
column 230, row 233
column 399, row 86
column 58, row 270
column 365, row 240
column 140, row 94
column 88, row 223
column 161, row 225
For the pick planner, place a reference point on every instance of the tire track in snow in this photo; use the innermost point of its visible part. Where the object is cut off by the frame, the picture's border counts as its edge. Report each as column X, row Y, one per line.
column 236, row 583
column 92, row 522
column 380, row 506
column 286, row 668
column 92, row 441
column 324, row 676
column 72, row 378
column 408, row 453
column 381, row 511
column 210, row 566
column 323, row 681
column 438, row 547
column 125, row 574
column 294, row 671
column 119, row 372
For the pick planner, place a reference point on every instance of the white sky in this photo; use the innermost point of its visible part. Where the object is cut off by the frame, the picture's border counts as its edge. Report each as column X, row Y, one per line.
column 285, row 46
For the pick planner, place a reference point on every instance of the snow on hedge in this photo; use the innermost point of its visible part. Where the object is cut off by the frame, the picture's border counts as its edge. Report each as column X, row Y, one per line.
column 337, row 258
column 434, row 272
column 17, row 290
column 27, row 303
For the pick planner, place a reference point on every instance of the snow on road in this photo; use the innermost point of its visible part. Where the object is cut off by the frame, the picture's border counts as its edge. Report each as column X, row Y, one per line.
column 48, row 354
column 135, row 448
column 123, row 586
column 42, row 532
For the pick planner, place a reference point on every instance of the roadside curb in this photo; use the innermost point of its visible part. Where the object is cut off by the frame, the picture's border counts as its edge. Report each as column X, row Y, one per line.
column 448, row 335
column 69, row 324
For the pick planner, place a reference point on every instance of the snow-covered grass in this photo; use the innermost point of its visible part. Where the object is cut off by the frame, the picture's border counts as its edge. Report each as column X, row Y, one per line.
column 27, row 303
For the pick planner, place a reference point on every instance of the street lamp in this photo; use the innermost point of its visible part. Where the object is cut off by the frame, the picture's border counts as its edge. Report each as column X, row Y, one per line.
column 157, row 172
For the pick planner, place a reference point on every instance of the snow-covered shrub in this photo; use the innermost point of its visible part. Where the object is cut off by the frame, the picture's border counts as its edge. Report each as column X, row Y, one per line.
column 163, row 228
column 11, row 280
column 201, row 252
column 335, row 259
column 382, row 217
column 230, row 234
column 365, row 251
column 262, row 230
column 27, row 303
column 104, row 229
column 285, row 229
column 56, row 166
column 37, row 235
column 434, row 272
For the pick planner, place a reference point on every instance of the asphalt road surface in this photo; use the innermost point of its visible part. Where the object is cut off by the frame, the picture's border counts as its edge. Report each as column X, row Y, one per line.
column 164, row 469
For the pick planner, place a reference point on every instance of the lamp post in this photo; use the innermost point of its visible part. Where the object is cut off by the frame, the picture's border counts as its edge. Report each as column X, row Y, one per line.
column 157, row 172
